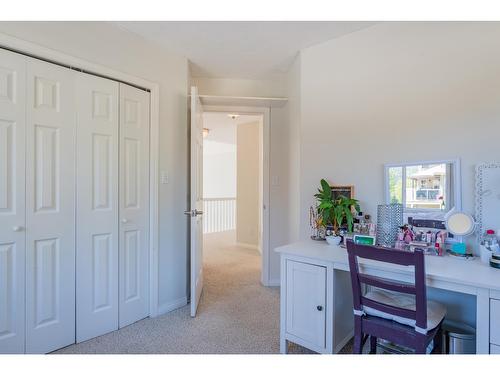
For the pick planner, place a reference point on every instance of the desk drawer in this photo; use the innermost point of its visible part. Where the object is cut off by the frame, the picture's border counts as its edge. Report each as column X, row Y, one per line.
column 494, row 349
column 495, row 321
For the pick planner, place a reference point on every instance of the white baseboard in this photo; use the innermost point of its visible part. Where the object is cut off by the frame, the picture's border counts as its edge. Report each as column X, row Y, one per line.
column 343, row 342
column 172, row 305
column 247, row 246
column 274, row 282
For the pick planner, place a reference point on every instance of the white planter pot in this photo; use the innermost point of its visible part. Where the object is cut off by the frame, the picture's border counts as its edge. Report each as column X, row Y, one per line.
column 333, row 240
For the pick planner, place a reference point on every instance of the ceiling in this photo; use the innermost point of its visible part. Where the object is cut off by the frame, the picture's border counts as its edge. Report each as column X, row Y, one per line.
column 222, row 131
column 237, row 49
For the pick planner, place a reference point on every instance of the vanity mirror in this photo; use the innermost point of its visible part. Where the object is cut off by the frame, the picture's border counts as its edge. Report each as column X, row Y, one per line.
column 460, row 224
column 427, row 189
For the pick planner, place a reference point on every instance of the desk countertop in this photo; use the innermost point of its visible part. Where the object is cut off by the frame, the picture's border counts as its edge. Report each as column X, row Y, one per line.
column 448, row 269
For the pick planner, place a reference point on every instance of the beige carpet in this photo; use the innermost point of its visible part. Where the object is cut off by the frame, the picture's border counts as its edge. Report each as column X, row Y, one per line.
column 236, row 314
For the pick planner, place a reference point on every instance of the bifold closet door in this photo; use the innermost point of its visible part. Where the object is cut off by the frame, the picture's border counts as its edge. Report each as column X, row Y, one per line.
column 12, row 201
column 97, row 207
column 50, row 207
column 134, row 205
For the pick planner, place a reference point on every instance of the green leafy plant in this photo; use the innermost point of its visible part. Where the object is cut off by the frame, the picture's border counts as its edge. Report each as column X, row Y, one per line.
column 335, row 211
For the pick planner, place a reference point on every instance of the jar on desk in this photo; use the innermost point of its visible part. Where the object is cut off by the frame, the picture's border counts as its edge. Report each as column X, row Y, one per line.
column 489, row 246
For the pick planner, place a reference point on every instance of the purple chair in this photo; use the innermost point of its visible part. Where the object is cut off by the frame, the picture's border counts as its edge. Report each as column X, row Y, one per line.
column 394, row 311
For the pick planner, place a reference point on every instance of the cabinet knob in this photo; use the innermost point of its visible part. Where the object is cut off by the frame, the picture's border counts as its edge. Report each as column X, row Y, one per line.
column 320, row 308
column 17, row 228
column 124, row 221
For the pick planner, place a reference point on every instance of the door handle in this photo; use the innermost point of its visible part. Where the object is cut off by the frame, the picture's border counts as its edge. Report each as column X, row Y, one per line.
column 193, row 213
column 17, row 228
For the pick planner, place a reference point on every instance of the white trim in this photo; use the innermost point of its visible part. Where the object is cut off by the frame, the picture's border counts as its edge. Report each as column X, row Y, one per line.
column 154, row 199
column 45, row 53
column 274, row 282
column 266, row 133
column 343, row 342
column 173, row 305
column 242, row 101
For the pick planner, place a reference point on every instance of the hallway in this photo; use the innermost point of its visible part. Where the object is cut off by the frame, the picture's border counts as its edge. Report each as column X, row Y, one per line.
column 236, row 315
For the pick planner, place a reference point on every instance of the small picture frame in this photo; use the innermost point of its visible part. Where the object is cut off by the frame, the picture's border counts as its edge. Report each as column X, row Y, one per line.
column 345, row 190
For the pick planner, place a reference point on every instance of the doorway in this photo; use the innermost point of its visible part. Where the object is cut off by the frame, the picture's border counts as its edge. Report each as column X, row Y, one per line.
column 233, row 188
column 198, row 131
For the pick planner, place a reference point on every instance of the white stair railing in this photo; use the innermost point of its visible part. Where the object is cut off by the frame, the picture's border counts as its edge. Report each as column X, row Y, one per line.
column 219, row 214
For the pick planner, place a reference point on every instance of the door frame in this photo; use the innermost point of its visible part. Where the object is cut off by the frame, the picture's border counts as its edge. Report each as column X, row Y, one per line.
column 266, row 136
column 37, row 51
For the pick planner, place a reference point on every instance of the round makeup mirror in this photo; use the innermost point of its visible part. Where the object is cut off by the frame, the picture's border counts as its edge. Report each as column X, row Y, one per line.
column 459, row 223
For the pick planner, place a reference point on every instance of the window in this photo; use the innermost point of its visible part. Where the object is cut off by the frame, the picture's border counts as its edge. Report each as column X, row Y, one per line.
column 424, row 186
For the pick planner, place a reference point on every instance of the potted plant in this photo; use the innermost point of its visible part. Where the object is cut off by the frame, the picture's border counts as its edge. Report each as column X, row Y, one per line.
column 335, row 211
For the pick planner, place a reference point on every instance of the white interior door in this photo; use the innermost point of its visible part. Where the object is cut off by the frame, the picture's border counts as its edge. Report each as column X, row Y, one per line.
column 134, row 205
column 196, row 211
column 97, row 207
column 12, row 201
column 50, row 207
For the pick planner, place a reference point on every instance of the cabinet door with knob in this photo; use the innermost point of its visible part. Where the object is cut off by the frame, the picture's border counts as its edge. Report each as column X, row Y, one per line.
column 306, row 302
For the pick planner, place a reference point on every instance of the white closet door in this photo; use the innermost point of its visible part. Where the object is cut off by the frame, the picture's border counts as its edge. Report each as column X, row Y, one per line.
column 134, row 205
column 97, row 207
column 12, row 201
column 50, row 207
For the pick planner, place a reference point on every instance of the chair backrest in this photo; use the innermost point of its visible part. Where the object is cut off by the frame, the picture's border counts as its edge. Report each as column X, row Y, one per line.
column 393, row 256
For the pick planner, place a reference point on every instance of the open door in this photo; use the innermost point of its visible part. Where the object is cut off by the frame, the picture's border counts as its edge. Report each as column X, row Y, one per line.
column 196, row 212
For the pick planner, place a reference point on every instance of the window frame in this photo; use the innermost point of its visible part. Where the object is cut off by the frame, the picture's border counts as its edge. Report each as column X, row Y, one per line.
column 456, row 180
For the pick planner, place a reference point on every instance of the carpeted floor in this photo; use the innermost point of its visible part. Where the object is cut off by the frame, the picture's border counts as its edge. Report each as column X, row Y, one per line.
column 236, row 314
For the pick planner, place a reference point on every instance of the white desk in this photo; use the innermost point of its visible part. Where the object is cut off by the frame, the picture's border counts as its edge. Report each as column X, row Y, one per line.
column 316, row 294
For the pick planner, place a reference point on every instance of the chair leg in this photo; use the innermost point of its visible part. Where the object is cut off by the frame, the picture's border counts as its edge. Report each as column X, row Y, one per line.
column 358, row 336
column 373, row 345
column 438, row 342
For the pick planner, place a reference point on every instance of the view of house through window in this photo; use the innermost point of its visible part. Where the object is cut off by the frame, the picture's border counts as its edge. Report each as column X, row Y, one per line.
column 422, row 187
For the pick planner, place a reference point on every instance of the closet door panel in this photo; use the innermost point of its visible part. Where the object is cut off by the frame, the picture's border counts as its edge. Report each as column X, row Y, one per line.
column 97, row 207
column 134, row 205
column 12, row 200
column 50, row 207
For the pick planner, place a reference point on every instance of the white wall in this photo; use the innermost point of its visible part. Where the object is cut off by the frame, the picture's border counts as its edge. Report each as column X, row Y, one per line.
column 293, row 130
column 247, row 183
column 364, row 95
column 219, row 170
column 240, row 87
column 103, row 43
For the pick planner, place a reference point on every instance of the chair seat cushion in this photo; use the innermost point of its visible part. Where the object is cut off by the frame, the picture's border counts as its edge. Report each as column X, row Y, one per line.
column 435, row 310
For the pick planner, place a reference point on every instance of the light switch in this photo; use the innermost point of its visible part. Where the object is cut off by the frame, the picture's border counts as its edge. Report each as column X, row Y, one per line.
column 275, row 181
column 163, row 177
